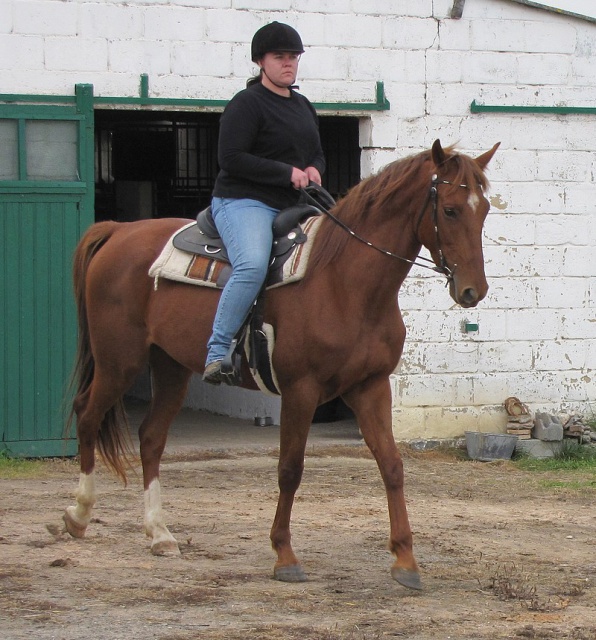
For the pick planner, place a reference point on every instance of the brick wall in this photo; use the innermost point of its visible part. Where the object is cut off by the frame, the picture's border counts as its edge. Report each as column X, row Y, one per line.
column 537, row 327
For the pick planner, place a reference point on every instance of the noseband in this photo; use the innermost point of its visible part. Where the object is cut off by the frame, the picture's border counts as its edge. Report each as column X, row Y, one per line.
column 431, row 198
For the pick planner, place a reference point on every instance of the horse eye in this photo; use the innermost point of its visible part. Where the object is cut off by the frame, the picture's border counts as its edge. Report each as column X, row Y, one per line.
column 450, row 212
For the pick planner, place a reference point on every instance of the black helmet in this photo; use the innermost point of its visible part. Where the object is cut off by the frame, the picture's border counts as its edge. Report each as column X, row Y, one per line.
column 275, row 37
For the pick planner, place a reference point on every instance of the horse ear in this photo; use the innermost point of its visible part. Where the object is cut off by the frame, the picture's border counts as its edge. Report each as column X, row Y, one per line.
column 438, row 155
column 485, row 158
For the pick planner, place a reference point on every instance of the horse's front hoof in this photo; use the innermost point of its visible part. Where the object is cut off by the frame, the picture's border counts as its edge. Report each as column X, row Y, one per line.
column 75, row 529
column 407, row 578
column 166, row 548
column 290, row 573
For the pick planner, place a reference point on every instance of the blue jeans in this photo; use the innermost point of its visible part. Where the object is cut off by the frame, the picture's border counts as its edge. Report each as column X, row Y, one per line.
column 245, row 227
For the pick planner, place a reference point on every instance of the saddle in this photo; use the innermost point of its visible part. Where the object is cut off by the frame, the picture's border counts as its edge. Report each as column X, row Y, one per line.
column 204, row 240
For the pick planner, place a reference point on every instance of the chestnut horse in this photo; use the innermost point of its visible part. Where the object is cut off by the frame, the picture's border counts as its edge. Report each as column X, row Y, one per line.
column 338, row 332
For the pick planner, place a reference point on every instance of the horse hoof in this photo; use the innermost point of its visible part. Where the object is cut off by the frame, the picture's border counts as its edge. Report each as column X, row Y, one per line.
column 166, row 548
column 407, row 578
column 75, row 529
column 290, row 573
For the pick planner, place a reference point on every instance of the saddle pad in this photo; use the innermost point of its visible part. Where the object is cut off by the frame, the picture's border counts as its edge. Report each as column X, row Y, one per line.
column 181, row 266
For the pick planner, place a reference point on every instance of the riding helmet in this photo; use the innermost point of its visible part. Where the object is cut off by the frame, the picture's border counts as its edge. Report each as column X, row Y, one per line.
column 275, row 36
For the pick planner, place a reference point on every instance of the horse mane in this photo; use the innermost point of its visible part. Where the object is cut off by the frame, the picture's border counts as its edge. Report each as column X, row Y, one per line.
column 406, row 178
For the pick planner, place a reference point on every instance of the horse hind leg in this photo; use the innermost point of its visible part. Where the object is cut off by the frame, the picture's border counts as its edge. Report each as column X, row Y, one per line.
column 169, row 384
column 97, row 406
column 77, row 517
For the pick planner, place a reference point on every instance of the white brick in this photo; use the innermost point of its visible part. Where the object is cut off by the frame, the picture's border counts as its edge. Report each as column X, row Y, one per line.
column 579, row 262
column 409, row 33
column 6, row 22
column 314, row 6
column 558, row 230
column 421, row 8
column 204, row 58
column 505, row 356
column 20, row 53
column 140, row 56
column 534, row 324
column 263, row 5
column 535, row 37
column 362, row 31
column 45, row 18
column 543, row 69
column 76, row 54
column 326, row 64
column 573, row 166
column 552, row 355
column 505, row 229
column 510, row 293
column 450, row 357
column 445, row 66
column 110, row 21
column 561, row 293
column 482, row 67
column 578, row 323
column 426, row 390
column 175, row 23
column 389, row 65
column 454, row 35
column 232, row 26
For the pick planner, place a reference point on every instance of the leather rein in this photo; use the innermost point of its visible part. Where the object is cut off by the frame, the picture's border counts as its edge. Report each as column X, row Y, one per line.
column 432, row 198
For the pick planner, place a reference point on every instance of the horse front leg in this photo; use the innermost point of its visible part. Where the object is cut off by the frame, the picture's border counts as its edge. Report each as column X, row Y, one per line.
column 371, row 403
column 296, row 417
column 169, row 384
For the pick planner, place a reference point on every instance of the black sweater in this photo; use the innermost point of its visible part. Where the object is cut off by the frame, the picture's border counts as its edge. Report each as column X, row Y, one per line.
column 262, row 136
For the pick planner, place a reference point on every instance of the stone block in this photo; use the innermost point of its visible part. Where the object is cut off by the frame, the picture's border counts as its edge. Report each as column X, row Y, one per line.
column 538, row 448
column 547, row 428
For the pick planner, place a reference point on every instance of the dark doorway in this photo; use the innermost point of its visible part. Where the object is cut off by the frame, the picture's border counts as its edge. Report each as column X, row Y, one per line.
column 164, row 164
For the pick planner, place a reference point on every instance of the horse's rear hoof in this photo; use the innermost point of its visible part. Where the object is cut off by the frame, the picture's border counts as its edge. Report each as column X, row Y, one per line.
column 290, row 573
column 75, row 529
column 407, row 578
column 165, row 548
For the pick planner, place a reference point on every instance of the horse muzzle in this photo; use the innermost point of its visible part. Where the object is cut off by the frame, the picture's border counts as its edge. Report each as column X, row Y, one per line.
column 467, row 296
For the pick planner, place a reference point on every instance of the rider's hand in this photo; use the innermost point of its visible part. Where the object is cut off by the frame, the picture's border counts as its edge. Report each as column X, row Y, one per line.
column 299, row 178
column 313, row 175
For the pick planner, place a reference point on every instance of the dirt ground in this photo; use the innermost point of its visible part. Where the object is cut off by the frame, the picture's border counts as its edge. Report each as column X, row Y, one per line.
column 503, row 553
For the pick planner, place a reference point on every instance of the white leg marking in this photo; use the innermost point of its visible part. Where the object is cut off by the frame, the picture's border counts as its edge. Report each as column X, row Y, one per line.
column 155, row 526
column 86, row 496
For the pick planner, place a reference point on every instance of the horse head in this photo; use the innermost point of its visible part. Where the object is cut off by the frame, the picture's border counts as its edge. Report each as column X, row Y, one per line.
column 451, row 222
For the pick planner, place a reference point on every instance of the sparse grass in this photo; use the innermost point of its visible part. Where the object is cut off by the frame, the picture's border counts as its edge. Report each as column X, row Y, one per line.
column 573, row 457
column 16, row 467
column 510, row 582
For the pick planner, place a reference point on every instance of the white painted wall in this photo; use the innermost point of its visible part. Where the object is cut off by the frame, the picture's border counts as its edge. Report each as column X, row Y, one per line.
column 537, row 335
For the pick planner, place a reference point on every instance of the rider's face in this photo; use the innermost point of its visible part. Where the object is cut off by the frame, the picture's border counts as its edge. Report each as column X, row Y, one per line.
column 281, row 67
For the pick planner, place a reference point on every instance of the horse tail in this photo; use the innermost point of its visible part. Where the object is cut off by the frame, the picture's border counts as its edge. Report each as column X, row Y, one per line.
column 113, row 442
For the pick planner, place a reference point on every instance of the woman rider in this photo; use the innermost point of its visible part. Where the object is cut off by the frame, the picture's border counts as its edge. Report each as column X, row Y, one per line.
column 269, row 147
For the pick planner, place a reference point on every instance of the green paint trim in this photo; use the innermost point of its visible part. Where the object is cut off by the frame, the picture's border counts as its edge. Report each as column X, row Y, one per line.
column 487, row 108
column 41, row 186
column 541, row 5
column 380, row 103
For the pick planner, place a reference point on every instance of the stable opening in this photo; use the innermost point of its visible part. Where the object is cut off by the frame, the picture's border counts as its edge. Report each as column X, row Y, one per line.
column 164, row 164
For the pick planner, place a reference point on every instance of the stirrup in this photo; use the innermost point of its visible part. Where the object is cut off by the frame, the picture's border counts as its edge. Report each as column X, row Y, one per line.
column 230, row 366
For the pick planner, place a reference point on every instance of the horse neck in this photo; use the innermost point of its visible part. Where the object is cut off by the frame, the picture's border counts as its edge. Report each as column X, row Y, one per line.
column 368, row 269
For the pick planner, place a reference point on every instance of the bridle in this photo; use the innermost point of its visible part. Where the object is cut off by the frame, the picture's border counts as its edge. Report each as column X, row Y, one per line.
column 431, row 198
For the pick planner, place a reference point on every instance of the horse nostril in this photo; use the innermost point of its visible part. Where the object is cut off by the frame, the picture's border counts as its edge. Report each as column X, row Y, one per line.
column 469, row 296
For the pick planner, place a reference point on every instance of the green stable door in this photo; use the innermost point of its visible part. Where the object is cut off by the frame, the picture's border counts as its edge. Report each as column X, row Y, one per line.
column 46, row 203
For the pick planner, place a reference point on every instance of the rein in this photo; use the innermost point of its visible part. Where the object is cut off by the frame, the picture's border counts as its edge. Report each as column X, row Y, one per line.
column 431, row 197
